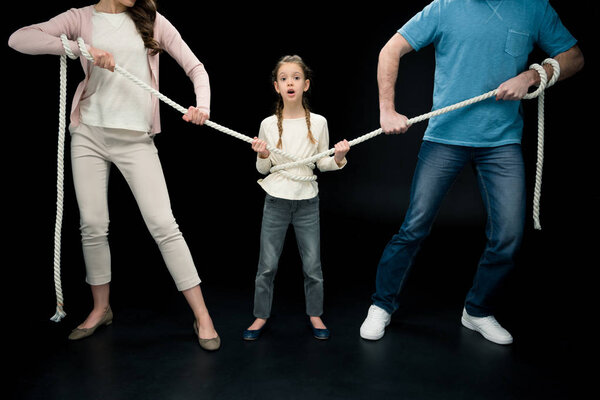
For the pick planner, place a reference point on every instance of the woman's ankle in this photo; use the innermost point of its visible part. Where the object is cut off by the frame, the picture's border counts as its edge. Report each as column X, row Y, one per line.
column 93, row 317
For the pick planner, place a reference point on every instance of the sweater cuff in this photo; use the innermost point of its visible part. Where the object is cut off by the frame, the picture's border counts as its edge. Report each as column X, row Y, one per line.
column 263, row 165
column 204, row 109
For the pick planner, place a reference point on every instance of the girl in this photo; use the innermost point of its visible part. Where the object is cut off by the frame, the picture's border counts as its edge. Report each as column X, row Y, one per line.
column 114, row 121
column 297, row 131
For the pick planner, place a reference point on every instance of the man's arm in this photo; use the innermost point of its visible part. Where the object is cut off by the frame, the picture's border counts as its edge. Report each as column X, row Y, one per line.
column 387, row 73
column 570, row 61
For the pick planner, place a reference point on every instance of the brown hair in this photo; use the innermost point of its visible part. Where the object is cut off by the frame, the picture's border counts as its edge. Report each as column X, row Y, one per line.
column 279, row 105
column 143, row 14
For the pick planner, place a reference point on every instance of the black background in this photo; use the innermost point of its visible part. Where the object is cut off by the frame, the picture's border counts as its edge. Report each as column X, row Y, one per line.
column 212, row 177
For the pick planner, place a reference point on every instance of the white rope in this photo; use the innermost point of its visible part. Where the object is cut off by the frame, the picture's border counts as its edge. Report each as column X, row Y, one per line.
column 62, row 111
column 537, row 190
column 281, row 168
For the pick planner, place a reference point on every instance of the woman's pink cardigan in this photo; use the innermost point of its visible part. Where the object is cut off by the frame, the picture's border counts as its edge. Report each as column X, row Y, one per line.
column 44, row 38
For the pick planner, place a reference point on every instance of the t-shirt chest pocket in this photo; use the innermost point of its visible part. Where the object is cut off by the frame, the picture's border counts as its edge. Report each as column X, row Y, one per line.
column 517, row 43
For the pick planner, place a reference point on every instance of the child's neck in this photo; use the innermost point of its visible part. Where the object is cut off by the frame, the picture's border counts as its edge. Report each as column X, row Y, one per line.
column 292, row 111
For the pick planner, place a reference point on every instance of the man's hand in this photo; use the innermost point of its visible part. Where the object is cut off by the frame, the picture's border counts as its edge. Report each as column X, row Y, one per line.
column 516, row 88
column 393, row 122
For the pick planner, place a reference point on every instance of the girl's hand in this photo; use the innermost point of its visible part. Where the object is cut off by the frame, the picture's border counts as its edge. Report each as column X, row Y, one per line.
column 195, row 116
column 341, row 149
column 260, row 146
column 102, row 59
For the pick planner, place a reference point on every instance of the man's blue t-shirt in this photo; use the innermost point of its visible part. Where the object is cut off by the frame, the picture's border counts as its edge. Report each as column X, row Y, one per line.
column 478, row 45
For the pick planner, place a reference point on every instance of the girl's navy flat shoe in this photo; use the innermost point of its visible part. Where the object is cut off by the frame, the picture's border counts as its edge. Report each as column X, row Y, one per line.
column 252, row 334
column 322, row 334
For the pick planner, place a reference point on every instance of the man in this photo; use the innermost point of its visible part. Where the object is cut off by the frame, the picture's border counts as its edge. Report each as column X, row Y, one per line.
column 478, row 45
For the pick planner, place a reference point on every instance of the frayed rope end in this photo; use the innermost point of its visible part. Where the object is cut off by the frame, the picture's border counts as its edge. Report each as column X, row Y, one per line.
column 60, row 314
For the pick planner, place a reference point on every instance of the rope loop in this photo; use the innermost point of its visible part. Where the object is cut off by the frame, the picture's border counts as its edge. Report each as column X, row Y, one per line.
column 543, row 81
column 540, row 94
column 67, row 47
column 281, row 168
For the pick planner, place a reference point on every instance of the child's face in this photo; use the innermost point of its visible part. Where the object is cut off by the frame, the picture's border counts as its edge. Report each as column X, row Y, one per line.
column 291, row 83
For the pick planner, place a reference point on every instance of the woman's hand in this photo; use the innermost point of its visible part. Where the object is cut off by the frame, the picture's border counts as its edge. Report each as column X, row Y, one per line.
column 102, row 59
column 196, row 116
column 260, row 146
column 341, row 149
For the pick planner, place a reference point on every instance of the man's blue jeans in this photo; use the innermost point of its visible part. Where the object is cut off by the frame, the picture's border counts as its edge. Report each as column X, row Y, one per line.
column 501, row 179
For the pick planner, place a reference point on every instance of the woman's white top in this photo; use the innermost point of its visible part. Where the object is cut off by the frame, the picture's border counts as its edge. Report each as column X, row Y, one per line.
column 110, row 100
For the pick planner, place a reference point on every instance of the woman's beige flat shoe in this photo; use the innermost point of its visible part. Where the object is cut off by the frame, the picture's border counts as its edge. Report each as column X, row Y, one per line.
column 80, row 333
column 208, row 344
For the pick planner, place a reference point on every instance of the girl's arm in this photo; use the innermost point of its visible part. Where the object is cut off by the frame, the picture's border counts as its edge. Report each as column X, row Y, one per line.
column 260, row 146
column 44, row 38
column 341, row 149
column 263, row 156
column 338, row 161
column 170, row 40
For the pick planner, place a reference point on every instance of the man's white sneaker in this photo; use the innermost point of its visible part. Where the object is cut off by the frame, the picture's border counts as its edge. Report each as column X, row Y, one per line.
column 488, row 327
column 374, row 325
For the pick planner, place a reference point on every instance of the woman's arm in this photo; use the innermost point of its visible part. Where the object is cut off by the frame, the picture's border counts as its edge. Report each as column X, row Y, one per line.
column 172, row 42
column 44, row 38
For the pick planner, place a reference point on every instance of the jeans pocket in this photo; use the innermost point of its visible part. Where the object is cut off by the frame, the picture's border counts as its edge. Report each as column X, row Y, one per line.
column 270, row 199
column 517, row 43
column 274, row 203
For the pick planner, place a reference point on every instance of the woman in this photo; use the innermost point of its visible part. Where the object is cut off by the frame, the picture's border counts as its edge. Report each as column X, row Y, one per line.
column 113, row 122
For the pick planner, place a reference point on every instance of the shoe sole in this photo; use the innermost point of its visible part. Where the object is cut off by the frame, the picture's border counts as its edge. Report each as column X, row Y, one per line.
column 467, row 324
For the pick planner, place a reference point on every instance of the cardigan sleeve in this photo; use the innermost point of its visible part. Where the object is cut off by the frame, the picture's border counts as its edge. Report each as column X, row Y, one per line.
column 171, row 41
column 44, row 37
